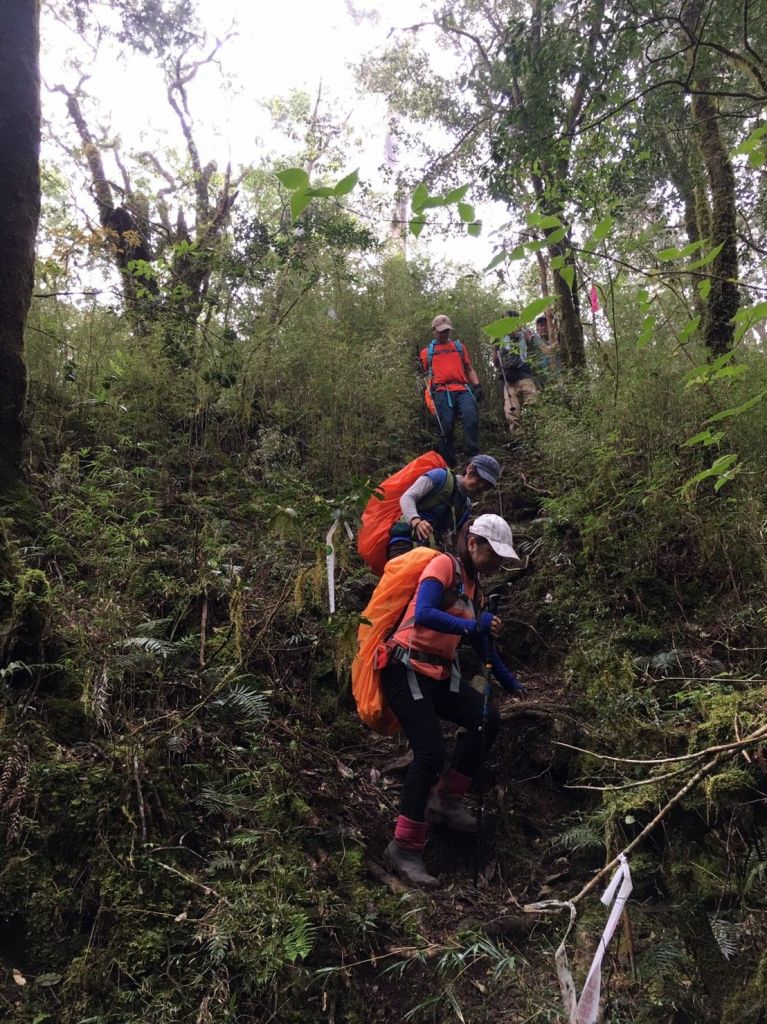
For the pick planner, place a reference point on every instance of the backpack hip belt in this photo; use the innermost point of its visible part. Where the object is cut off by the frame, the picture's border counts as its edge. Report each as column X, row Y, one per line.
column 405, row 656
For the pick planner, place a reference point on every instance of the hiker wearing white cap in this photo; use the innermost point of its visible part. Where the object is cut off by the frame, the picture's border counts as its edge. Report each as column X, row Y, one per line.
column 453, row 390
column 421, row 681
column 436, row 506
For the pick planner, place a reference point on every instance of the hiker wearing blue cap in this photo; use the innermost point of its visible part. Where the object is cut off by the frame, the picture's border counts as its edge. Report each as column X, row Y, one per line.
column 437, row 505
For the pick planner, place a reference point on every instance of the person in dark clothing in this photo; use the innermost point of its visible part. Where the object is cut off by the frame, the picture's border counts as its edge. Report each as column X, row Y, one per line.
column 510, row 357
column 453, row 387
column 437, row 505
column 421, row 682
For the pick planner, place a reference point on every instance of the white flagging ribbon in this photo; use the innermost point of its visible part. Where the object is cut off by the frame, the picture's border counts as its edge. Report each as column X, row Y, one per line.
column 330, row 559
column 585, row 1009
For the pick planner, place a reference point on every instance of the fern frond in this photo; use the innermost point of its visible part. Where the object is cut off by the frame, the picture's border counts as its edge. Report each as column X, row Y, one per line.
column 151, row 645
column 246, row 702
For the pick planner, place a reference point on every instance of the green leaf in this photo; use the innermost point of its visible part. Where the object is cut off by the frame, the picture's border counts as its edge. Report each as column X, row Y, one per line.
column 643, row 297
column 542, row 220
column 455, row 195
column 535, row 308
column 496, row 260
column 568, row 275
column 417, row 225
column 536, row 245
column 557, row 262
column 603, row 228
column 466, row 212
column 420, row 196
column 299, row 200
column 432, row 202
column 690, row 328
column 724, row 467
column 518, row 254
column 500, row 328
column 751, row 313
column 670, row 254
column 556, row 236
column 475, row 229
column 752, row 141
column 321, row 192
column 704, row 288
column 646, row 331
column 756, row 158
column 708, row 258
column 737, row 409
column 681, row 254
column 293, row 178
column 347, row 184
column 705, row 437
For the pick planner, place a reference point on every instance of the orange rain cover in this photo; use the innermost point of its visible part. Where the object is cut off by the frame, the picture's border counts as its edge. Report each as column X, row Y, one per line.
column 383, row 511
column 385, row 608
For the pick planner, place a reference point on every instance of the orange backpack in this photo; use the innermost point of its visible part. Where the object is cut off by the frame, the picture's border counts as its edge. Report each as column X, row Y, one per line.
column 383, row 510
column 384, row 611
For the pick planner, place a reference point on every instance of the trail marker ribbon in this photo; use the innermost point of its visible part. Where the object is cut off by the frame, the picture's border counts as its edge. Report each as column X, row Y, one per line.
column 586, row 1009
column 330, row 558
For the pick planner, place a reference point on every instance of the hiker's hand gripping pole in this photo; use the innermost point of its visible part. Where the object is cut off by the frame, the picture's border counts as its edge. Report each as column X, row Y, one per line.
column 492, row 607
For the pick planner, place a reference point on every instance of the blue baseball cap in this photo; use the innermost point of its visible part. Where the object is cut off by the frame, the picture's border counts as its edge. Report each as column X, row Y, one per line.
column 487, row 467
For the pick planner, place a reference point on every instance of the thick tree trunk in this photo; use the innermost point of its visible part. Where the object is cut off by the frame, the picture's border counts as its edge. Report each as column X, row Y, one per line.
column 19, row 214
column 570, row 327
column 723, row 299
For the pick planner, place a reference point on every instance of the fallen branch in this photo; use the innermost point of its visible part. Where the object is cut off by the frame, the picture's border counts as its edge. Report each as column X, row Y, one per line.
column 689, row 784
column 760, row 734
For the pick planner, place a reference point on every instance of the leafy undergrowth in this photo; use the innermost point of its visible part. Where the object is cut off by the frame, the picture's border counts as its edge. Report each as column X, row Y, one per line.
column 193, row 818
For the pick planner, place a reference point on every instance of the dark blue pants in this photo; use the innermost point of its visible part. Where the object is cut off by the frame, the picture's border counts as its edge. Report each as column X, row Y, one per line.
column 459, row 404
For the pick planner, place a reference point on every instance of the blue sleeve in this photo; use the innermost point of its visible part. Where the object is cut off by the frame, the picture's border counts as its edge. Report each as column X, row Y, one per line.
column 429, row 614
column 507, row 679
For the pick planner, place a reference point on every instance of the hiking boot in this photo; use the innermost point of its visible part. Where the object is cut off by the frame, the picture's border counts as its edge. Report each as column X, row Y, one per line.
column 409, row 865
column 451, row 812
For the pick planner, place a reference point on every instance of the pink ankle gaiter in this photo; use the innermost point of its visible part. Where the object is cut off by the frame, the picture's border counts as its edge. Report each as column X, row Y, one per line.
column 453, row 784
column 410, row 834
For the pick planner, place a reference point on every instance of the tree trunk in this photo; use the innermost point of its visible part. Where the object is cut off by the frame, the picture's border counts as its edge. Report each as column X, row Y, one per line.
column 19, row 214
column 723, row 299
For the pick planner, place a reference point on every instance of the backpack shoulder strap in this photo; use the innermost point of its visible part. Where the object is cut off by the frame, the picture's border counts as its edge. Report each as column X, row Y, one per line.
column 430, row 359
column 456, row 592
column 441, row 495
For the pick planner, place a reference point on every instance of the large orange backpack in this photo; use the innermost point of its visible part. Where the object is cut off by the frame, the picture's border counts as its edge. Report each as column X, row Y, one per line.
column 383, row 510
column 384, row 611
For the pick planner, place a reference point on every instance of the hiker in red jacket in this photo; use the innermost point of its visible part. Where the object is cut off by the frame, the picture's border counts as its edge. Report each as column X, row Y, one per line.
column 454, row 386
column 422, row 683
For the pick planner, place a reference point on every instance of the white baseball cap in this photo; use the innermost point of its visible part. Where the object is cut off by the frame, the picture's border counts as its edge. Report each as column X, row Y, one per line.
column 496, row 532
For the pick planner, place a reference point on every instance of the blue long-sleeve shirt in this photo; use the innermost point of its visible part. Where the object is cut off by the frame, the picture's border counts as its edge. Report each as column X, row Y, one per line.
column 429, row 614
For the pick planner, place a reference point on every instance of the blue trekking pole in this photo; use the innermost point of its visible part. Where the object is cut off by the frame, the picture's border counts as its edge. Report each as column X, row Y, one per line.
column 492, row 607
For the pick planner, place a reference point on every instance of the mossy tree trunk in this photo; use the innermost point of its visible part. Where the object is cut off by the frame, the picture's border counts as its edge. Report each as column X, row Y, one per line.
column 19, row 214
column 723, row 299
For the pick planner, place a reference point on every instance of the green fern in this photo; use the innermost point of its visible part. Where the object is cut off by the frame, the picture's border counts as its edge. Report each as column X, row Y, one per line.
column 246, row 702
column 299, row 939
column 151, row 645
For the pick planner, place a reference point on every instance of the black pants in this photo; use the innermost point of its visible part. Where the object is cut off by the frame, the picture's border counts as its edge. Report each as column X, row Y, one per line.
column 420, row 723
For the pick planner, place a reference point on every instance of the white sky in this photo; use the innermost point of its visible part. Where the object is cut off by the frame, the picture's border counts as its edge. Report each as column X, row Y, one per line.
column 279, row 46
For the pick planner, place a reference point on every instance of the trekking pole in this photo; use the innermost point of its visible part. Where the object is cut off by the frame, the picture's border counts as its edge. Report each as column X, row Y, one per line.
column 492, row 607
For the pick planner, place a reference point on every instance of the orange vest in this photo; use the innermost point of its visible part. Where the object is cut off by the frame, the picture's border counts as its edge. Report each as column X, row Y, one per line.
column 419, row 638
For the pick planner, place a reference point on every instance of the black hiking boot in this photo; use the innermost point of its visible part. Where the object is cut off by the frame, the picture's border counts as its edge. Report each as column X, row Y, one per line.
column 409, row 865
column 451, row 812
